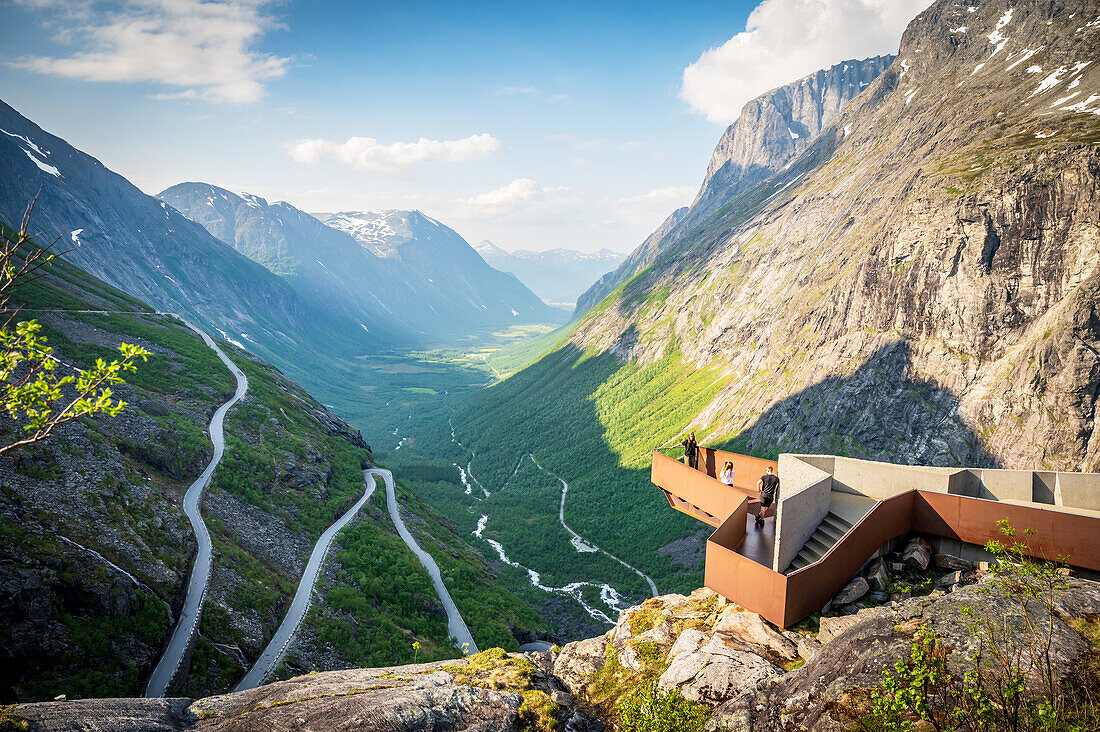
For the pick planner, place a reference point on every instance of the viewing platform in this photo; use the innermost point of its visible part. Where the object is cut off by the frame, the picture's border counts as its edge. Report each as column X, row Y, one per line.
column 833, row 514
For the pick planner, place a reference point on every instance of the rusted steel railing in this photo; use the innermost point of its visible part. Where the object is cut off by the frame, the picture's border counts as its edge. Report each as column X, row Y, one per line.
column 746, row 469
column 1059, row 533
column 696, row 493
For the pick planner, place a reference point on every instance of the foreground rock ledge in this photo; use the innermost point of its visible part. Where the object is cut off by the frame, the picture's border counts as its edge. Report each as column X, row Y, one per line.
column 711, row 652
column 416, row 697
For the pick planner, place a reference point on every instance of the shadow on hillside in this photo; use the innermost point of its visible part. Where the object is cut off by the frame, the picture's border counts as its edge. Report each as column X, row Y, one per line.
column 878, row 412
column 554, row 408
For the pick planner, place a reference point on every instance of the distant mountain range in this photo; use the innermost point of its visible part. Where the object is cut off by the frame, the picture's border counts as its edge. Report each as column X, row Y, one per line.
column 558, row 276
column 146, row 248
column 399, row 274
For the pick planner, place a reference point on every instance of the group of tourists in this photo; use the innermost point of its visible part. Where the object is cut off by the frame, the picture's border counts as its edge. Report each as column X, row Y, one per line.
column 768, row 485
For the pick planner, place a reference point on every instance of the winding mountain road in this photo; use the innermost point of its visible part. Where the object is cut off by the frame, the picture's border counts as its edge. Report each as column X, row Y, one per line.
column 456, row 626
column 269, row 659
column 188, row 622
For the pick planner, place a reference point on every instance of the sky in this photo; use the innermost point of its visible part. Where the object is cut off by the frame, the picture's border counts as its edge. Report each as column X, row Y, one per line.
column 536, row 125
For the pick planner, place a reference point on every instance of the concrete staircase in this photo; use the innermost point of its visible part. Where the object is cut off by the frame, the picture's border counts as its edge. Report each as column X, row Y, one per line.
column 828, row 533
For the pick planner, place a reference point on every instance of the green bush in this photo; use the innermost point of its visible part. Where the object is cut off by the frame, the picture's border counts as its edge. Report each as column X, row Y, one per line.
column 647, row 709
column 1011, row 682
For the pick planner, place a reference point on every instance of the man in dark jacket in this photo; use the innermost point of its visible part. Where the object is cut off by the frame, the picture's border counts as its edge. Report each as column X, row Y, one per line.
column 691, row 451
column 768, row 485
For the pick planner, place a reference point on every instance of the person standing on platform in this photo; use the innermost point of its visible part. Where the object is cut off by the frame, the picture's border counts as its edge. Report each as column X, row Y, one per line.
column 727, row 473
column 768, row 485
column 691, row 451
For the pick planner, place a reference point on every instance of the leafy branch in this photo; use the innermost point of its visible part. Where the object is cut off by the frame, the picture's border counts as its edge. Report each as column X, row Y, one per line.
column 31, row 389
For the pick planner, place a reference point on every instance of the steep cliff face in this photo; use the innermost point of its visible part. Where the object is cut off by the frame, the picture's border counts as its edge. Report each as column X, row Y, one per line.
column 771, row 131
column 921, row 282
column 778, row 125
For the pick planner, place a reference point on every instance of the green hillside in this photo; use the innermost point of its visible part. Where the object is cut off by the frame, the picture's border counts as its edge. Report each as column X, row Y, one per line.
column 112, row 487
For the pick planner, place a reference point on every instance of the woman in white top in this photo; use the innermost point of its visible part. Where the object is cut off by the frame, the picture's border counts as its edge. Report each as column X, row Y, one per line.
column 727, row 473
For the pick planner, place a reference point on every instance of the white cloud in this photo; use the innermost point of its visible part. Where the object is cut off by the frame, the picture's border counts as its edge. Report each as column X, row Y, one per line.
column 367, row 153
column 203, row 48
column 592, row 144
column 522, row 198
column 784, row 40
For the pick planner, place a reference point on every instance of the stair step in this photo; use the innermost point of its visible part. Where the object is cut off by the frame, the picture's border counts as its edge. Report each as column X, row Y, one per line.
column 812, row 554
column 819, row 546
column 840, row 520
column 835, row 525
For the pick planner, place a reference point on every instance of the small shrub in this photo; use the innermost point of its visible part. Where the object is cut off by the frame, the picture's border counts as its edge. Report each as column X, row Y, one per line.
column 646, row 709
column 538, row 712
column 10, row 722
column 1011, row 683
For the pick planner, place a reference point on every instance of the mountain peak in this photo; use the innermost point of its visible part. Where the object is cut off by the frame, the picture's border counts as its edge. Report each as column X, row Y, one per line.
column 488, row 249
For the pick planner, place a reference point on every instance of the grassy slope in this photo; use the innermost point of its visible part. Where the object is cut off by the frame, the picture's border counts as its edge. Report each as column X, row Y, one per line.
column 383, row 590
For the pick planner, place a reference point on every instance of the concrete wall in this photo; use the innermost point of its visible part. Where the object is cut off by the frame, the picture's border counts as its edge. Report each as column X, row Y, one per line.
column 821, row 462
column 883, row 480
column 1077, row 490
column 1043, row 486
column 1071, row 490
column 1006, row 485
column 804, row 491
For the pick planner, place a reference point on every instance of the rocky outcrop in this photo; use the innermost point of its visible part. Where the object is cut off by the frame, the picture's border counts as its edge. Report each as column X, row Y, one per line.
column 706, row 650
column 816, row 696
column 404, row 698
column 709, row 651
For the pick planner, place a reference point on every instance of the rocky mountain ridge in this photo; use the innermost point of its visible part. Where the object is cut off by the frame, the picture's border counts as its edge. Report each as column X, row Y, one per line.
column 115, row 232
column 401, row 276
column 771, row 131
column 918, row 285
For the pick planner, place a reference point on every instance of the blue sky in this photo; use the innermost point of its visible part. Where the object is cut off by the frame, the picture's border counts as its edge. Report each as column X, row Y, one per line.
column 536, row 125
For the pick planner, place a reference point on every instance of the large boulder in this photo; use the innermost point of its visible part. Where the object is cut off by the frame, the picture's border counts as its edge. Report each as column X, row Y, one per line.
column 856, row 588
column 815, row 696
column 579, row 661
column 752, row 633
column 953, row 563
column 715, row 673
column 878, row 578
column 917, row 553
